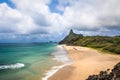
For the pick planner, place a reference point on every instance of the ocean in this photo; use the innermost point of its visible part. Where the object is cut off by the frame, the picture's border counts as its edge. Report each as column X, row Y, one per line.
column 31, row 61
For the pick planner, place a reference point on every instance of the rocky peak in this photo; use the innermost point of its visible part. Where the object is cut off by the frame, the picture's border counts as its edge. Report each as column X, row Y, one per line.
column 71, row 31
column 71, row 38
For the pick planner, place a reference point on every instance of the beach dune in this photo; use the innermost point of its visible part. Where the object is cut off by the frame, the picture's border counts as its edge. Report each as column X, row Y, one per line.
column 86, row 61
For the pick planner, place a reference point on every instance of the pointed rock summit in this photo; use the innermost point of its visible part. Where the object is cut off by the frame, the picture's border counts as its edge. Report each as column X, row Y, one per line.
column 71, row 31
column 70, row 38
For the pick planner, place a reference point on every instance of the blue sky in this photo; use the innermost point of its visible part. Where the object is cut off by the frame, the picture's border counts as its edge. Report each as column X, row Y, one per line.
column 53, row 6
column 8, row 2
column 51, row 20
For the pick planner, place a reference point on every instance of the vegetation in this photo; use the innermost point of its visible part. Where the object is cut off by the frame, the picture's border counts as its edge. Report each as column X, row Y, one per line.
column 106, row 43
column 71, row 38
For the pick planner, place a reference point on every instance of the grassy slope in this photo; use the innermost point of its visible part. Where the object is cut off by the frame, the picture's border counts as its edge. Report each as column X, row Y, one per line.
column 104, row 43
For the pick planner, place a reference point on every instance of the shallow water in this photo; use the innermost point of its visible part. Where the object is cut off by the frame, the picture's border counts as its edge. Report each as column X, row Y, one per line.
column 25, row 61
column 31, row 61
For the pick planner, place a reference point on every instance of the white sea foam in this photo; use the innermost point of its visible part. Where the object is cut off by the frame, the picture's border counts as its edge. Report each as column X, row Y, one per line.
column 12, row 66
column 60, row 55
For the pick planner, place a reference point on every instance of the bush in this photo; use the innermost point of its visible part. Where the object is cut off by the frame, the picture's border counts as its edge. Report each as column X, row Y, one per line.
column 117, row 49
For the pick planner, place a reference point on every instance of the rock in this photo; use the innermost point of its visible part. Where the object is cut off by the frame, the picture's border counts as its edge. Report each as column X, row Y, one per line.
column 71, row 38
column 106, row 75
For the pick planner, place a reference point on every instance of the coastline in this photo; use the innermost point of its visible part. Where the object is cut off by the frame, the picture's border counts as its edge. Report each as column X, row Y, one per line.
column 86, row 61
column 61, row 56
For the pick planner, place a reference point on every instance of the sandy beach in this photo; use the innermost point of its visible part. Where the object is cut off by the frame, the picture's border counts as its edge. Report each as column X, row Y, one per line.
column 86, row 61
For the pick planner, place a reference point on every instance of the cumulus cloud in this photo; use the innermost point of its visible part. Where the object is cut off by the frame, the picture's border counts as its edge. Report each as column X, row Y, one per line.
column 99, row 14
column 13, row 21
column 35, row 18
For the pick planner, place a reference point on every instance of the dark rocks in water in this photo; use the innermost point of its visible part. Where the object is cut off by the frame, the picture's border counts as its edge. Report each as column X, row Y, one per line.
column 106, row 75
column 71, row 38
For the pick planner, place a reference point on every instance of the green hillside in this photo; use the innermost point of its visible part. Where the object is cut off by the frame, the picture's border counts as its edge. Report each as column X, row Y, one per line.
column 71, row 38
column 105, row 43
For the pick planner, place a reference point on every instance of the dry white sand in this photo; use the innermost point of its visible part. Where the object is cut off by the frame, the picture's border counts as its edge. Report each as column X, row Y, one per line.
column 86, row 61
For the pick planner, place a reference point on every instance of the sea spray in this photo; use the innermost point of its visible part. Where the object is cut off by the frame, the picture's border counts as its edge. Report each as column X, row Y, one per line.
column 60, row 55
column 12, row 66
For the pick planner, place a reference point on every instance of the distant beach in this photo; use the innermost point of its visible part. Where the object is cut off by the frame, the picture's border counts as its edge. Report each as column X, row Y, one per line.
column 86, row 61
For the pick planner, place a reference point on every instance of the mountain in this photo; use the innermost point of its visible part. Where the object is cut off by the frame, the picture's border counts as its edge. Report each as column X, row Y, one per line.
column 71, row 38
column 104, row 43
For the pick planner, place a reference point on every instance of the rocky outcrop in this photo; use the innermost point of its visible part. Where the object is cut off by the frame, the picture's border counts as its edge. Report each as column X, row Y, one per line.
column 106, row 75
column 71, row 38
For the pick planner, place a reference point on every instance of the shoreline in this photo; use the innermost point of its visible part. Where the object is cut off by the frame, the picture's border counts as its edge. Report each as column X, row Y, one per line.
column 86, row 61
column 61, row 56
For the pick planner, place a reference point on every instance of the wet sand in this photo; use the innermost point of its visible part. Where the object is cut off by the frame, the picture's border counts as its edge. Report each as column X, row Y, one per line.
column 86, row 61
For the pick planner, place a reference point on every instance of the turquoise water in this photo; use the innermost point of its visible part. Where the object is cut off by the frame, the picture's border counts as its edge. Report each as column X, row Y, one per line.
column 25, row 61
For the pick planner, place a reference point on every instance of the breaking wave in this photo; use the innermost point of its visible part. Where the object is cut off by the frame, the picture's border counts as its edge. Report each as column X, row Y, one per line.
column 60, row 55
column 12, row 66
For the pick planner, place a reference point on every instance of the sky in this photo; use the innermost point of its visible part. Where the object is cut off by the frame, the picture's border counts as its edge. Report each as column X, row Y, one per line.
column 51, row 20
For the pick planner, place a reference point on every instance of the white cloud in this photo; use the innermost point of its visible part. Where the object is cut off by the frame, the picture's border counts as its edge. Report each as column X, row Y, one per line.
column 35, row 17
column 13, row 21
column 99, row 14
